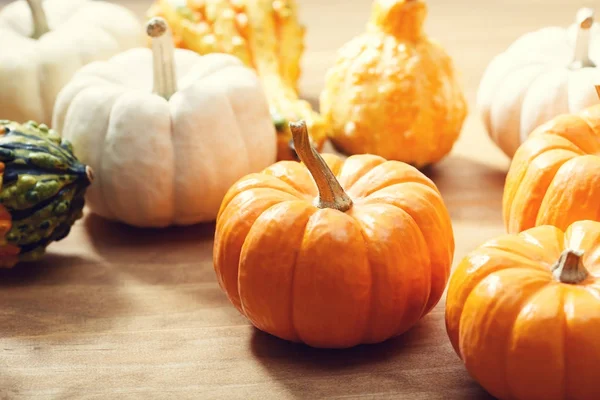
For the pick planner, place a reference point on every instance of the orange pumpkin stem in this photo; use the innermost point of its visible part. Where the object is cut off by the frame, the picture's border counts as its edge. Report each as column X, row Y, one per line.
column 331, row 193
column 569, row 267
column 598, row 90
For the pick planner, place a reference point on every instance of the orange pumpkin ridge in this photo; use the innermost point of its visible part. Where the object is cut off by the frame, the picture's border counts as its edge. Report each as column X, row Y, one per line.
column 333, row 253
column 554, row 177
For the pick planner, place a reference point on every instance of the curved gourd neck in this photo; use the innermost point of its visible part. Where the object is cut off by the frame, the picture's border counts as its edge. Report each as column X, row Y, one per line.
column 403, row 19
column 38, row 16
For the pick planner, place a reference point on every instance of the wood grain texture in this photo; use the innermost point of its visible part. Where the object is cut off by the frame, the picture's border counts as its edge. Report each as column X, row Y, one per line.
column 117, row 312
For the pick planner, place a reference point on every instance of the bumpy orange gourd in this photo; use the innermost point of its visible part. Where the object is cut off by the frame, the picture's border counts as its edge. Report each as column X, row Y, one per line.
column 265, row 35
column 523, row 313
column 554, row 177
column 393, row 91
column 333, row 253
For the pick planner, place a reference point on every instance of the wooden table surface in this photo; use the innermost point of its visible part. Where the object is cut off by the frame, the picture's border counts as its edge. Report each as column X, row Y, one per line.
column 116, row 312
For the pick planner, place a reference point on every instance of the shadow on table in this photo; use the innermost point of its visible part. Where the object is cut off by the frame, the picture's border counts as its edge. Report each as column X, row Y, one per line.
column 74, row 294
column 51, row 268
column 110, row 238
column 152, row 255
column 58, row 294
column 471, row 190
column 406, row 367
column 178, row 260
column 456, row 169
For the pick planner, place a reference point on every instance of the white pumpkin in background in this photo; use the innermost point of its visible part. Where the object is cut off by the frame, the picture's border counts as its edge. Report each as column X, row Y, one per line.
column 166, row 131
column 43, row 44
column 543, row 74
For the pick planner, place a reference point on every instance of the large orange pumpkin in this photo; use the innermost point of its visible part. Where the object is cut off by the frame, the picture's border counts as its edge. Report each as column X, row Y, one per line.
column 554, row 177
column 523, row 313
column 333, row 253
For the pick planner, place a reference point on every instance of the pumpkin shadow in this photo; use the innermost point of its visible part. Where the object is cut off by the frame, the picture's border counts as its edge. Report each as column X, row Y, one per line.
column 117, row 242
column 402, row 367
column 168, row 257
column 58, row 294
column 51, row 268
column 471, row 190
column 109, row 237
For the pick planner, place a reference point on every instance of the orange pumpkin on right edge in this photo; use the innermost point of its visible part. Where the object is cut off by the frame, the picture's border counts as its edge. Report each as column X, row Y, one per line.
column 554, row 178
column 523, row 313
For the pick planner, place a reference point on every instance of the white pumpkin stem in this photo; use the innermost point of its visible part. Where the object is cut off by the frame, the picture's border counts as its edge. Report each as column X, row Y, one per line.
column 163, row 56
column 331, row 193
column 585, row 20
column 598, row 90
column 40, row 23
column 569, row 267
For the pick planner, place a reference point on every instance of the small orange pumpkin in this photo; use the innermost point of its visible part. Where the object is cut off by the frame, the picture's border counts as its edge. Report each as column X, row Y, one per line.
column 333, row 253
column 554, row 177
column 523, row 313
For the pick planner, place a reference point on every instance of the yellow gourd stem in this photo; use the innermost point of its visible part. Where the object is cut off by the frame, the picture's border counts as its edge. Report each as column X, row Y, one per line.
column 163, row 54
column 569, row 267
column 581, row 58
column 331, row 193
column 401, row 18
column 40, row 23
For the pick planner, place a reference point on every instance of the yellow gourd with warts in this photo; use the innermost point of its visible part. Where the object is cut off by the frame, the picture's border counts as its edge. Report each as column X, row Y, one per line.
column 393, row 91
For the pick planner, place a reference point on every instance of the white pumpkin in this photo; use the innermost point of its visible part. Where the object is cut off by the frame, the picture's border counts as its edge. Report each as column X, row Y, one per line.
column 43, row 44
column 166, row 131
column 543, row 74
